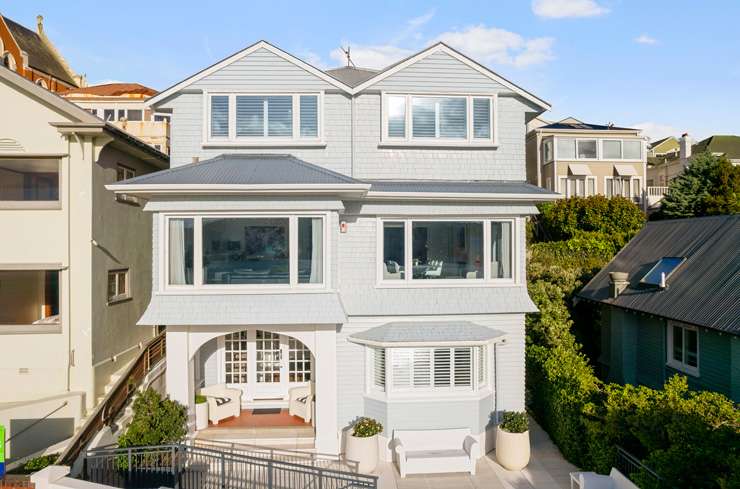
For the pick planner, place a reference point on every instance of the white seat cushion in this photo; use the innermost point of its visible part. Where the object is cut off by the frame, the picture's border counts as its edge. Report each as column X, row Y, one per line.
column 437, row 454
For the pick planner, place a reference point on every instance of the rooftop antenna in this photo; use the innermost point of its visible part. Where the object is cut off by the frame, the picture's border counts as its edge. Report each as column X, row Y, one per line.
column 350, row 63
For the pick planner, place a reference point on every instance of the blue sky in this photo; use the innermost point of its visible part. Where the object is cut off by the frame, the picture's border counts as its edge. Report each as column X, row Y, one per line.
column 666, row 66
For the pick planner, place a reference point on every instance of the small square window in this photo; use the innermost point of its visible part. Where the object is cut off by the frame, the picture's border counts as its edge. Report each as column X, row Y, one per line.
column 683, row 348
column 118, row 285
column 125, row 173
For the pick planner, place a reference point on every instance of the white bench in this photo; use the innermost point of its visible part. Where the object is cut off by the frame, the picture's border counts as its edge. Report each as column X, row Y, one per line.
column 435, row 451
column 592, row 480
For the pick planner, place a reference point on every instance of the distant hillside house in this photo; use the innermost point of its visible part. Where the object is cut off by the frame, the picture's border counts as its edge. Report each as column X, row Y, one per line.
column 575, row 158
column 33, row 56
column 663, row 168
column 124, row 105
column 670, row 303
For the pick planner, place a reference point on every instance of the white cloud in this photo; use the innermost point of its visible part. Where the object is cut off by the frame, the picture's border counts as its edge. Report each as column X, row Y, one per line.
column 370, row 56
column 105, row 82
column 493, row 45
column 314, row 59
column 656, row 130
column 560, row 9
column 645, row 39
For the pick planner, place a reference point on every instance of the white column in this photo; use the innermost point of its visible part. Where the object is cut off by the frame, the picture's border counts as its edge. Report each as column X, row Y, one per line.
column 325, row 354
column 180, row 375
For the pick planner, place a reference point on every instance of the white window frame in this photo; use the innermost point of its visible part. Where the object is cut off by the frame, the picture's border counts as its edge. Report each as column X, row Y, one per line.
column 40, row 328
column 599, row 148
column 262, row 141
column 128, row 173
column 118, row 296
column 551, row 142
column 567, row 190
column 621, row 148
column 486, row 280
column 469, row 140
column 198, row 287
column 478, row 386
column 682, row 365
column 632, row 196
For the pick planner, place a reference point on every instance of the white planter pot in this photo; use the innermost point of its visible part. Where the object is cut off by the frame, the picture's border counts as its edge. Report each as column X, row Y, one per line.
column 512, row 449
column 364, row 451
column 201, row 416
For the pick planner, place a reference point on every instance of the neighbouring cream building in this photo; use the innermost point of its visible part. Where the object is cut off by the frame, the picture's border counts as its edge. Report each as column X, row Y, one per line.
column 575, row 158
column 124, row 106
column 75, row 262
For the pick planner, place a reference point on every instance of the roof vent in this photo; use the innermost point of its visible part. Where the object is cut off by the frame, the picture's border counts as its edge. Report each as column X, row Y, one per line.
column 618, row 281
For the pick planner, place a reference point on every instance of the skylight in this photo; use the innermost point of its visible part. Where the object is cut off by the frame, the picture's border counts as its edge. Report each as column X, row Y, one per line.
column 665, row 267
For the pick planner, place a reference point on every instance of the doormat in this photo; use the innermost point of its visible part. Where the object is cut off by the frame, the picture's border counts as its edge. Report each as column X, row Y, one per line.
column 266, row 411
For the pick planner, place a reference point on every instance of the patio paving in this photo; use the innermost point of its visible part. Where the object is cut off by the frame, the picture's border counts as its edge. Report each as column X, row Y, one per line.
column 547, row 469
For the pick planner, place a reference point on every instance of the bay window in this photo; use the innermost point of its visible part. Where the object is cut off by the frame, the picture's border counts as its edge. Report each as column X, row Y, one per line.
column 264, row 117
column 578, row 186
column 425, row 251
column 245, row 251
column 628, row 187
column 438, row 119
column 433, row 369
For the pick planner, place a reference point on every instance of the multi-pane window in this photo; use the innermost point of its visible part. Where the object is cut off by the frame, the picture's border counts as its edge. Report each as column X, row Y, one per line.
column 268, row 357
column 683, row 348
column 29, row 297
column 430, row 368
column 575, row 186
column 118, row 285
column 124, row 173
column 29, row 180
column 618, row 149
column 235, row 358
column 438, row 118
column 627, row 187
column 299, row 361
column 446, row 250
column 269, row 117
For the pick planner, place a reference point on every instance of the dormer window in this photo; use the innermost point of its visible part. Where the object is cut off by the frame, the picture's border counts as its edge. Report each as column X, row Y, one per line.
column 263, row 118
column 438, row 119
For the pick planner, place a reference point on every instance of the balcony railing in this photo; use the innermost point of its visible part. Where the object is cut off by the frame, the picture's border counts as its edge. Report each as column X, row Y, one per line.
column 656, row 191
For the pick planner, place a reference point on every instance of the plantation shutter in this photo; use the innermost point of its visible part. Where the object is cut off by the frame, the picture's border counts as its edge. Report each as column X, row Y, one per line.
column 442, row 367
column 250, row 116
column 220, row 116
column 453, row 118
column 482, row 364
column 422, row 367
column 309, row 116
column 397, row 117
column 463, row 361
column 482, row 118
column 423, row 117
column 379, row 368
column 280, row 116
column 401, row 367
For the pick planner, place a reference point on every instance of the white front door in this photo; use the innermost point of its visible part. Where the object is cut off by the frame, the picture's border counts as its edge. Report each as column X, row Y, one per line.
column 270, row 368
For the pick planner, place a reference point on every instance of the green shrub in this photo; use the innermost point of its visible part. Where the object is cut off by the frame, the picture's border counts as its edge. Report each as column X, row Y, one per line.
column 366, row 427
column 514, row 422
column 156, row 421
column 200, row 399
column 35, row 464
column 564, row 219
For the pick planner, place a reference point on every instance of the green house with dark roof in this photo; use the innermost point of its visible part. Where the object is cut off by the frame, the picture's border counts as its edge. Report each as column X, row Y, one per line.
column 670, row 304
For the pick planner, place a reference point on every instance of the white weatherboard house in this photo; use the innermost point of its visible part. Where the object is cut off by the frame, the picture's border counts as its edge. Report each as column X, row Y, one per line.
column 357, row 233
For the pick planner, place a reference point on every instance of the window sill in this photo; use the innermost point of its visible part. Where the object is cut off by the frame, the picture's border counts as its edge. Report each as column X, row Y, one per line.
column 243, row 291
column 437, row 144
column 424, row 284
column 25, row 205
column 119, row 300
column 277, row 143
column 692, row 371
column 428, row 396
column 30, row 329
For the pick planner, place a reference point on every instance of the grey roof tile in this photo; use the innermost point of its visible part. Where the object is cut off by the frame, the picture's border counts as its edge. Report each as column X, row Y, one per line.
column 457, row 186
column 351, row 76
column 428, row 332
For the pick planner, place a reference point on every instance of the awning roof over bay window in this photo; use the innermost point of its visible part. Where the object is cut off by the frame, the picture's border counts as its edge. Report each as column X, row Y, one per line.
column 579, row 169
column 427, row 333
column 625, row 170
column 252, row 309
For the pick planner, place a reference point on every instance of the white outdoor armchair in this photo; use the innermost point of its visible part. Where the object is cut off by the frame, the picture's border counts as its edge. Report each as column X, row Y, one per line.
column 592, row 480
column 301, row 400
column 223, row 402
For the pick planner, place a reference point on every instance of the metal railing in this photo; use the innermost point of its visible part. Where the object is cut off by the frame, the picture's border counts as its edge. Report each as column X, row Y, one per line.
column 632, row 467
column 314, row 459
column 107, row 411
column 656, row 191
column 192, row 467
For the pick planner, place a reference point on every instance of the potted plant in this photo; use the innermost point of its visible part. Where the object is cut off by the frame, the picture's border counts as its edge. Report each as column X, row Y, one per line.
column 201, row 412
column 362, row 444
column 512, row 441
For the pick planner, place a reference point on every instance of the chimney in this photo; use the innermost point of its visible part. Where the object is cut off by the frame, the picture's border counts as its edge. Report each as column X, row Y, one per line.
column 618, row 281
column 685, row 147
column 40, row 24
column 196, row 159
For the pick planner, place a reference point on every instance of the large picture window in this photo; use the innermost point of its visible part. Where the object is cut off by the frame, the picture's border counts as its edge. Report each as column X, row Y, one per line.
column 438, row 119
column 263, row 117
column 245, row 251
column 29, row 180
column 425, row 251
column 29, row 297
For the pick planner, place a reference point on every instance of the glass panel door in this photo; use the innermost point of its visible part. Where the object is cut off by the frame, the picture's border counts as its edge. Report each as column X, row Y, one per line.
column 268, row 365
column 236, row 361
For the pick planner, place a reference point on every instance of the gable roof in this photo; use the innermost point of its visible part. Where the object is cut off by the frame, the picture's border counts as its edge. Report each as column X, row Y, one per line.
column 727, row 145
column 40, row 57
column 351, row 76
column 350, row 80
column 112, row 90
column 164, row 94
column 704, row 290
column 657, row 143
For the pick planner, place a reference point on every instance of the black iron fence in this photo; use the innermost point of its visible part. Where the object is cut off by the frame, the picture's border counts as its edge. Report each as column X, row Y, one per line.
column 191, row 467
column 632, row 467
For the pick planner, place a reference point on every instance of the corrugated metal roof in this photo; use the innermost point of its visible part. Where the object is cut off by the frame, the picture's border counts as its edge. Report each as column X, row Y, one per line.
column 432, row 332
column 457, row 186
column 704, row 290
column 236, row 169
column 40, row 57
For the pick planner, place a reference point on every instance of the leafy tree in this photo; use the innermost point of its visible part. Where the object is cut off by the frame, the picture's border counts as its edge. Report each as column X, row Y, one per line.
column 710, row 185
column 156, row 421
